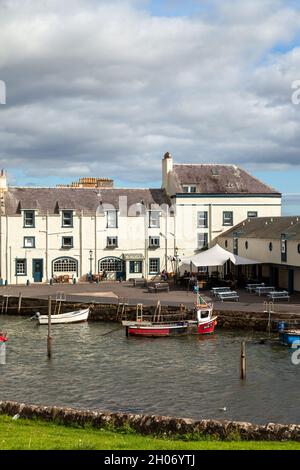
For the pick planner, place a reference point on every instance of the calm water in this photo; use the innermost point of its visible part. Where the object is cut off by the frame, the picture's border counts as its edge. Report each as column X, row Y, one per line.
column 188, row 377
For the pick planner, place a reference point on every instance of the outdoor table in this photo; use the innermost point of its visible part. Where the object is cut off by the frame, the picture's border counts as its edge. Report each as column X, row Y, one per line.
column 216, row 290
column 252, row 287
column 264, row 290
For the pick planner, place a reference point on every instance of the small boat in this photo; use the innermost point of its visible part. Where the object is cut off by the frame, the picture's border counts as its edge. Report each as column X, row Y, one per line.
column 204, row 323
column 287, row 336
column 69, row 317
column 3, row 337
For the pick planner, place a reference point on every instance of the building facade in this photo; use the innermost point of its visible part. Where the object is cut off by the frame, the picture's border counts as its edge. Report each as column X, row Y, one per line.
column 275, row 243
column 209, row 199
column 92, row 227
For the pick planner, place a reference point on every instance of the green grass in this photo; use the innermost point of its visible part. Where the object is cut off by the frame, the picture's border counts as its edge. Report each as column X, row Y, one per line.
column 38, row 435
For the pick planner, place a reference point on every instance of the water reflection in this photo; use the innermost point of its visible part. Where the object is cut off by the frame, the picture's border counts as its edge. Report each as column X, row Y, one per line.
column 187, row 376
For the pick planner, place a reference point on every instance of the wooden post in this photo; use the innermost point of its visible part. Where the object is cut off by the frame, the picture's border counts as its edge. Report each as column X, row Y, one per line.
column 243, row 360
column 20, row 303
column 49, row 338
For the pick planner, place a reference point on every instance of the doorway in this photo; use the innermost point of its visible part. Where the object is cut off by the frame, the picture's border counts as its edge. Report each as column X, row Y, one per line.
column 37, row 270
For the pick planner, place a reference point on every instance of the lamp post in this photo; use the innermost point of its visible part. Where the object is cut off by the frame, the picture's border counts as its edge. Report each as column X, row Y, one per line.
column 91, row 261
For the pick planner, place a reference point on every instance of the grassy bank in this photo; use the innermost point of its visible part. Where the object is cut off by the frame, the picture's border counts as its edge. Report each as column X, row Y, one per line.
column 30, row 434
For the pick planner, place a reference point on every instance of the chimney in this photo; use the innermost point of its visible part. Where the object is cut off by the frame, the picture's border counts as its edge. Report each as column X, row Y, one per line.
column 167, row 168
column 3, row 181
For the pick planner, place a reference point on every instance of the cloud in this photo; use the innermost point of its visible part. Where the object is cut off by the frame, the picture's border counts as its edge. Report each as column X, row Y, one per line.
column 106, row 88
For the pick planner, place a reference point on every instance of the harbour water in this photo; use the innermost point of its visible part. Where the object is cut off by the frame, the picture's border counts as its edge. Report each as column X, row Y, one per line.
column 193, row 377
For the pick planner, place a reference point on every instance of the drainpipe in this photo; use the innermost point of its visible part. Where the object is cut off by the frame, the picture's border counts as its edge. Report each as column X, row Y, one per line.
column 6, row 249
column 80, row 242
column 47, row 246
column 210, row 224
column 166, row 241
column 146, row 244
column 96, row 257
column 0, row 246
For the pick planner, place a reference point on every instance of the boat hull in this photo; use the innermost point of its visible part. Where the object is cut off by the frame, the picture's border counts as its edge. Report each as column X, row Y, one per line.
column 164, row 329
column 288, row 338
column 70, row 317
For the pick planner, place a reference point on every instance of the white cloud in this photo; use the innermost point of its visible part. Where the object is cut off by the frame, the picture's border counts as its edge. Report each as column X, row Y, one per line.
column 105, row 88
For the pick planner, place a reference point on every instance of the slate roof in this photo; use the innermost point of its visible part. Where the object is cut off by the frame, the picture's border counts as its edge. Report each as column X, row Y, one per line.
column 52, row 200
column 219, row 179
column 266, row 228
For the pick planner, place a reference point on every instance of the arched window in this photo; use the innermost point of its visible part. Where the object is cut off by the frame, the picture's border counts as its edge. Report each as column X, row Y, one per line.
column 111, row 265
column 65, row 265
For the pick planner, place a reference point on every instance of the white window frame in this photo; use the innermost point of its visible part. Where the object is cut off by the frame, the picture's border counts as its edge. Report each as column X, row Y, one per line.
column 204, row 240
column 154, row 219
column 112, row 218
column 112, row 242
column 25, row 245
column 154, row 242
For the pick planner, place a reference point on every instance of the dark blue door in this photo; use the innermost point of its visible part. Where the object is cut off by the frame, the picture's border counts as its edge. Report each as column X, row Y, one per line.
column 37, row 270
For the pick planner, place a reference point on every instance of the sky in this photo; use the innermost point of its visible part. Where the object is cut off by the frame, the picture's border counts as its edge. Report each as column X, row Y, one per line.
column 105, row 88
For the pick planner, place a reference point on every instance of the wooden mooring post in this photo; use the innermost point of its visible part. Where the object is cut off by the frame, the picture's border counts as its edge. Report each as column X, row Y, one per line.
column 49, row 338
column 243, row 360
column 19, row 303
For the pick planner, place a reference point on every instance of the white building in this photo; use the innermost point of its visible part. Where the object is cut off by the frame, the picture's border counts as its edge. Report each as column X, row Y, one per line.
column 275, row 242
column 209, row 199
column 91, row 227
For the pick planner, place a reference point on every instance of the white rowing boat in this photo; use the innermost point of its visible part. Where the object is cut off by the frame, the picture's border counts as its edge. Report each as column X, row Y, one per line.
column 70, row 317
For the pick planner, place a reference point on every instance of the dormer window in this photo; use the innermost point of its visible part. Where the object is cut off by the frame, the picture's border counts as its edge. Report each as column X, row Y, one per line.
column 29, row 219
column 189, row 189
column 67, row 218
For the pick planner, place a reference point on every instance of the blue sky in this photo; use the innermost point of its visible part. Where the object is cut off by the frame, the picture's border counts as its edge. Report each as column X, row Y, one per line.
column 98, row 87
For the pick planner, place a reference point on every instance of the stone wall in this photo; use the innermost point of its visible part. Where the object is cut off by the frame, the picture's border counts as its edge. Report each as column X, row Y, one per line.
column 154, row 425
column 108, row 312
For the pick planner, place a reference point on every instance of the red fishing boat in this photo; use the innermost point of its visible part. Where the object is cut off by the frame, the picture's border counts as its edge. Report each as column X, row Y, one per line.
column 3, row 337
column 204, row 322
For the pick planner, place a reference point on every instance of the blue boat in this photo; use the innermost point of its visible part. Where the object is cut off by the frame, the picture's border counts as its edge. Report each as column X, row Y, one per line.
column 288, row 337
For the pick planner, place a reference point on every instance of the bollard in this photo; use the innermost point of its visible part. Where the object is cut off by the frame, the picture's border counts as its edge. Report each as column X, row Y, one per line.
column 27, row 282
column 243, row 360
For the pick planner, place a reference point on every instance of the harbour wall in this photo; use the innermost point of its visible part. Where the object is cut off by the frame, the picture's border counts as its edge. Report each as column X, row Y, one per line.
column 153, row 424
column 228, row 319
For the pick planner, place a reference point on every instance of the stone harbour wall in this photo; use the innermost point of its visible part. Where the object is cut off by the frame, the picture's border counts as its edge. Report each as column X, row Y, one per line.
column 227, row 319
column 152, row 424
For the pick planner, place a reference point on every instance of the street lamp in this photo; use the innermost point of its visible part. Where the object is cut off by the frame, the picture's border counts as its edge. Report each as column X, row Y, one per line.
column 91, row 261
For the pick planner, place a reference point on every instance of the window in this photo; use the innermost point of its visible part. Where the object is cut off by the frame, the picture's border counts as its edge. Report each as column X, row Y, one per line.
column 235, row 246
column 154, row 242
column 252, row 214
column 154, row 265
column 65, row 265
column 29, row 219
column 112, row 219
column 228, row 218
column 67, row 218
column 246, row 245
column 202, row 240
column 67, row 242
column 226, row 243
column 112, row 242
column 190, row 189
column 111, row 265
column 270, row 246
column 298, row 248
column 135, row 267
column 202, row 219
column 29, row 242
column 154, row 219
column 21, row 267
column 283, row 248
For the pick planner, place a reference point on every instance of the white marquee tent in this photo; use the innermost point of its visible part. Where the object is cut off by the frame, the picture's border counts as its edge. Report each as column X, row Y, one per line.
column 216, row 256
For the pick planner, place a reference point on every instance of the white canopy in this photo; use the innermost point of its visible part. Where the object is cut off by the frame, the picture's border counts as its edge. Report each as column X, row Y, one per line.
column 216, row 256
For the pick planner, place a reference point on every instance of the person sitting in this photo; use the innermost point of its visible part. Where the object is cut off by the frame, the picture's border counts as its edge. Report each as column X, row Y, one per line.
column 164, row 275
